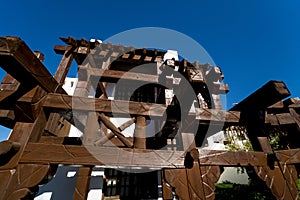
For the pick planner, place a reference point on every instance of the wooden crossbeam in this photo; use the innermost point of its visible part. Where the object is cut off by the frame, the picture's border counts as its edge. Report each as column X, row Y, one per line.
column 19, row 61
column 115, row 75
column 110, row 156
column 215, row 115
column 60, row 102
column 83, row 155
column 267, row 95
column 65, row 102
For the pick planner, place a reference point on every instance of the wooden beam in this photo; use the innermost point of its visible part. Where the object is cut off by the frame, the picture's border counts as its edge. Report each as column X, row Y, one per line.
column 7, row 118
column 65, row 102
column 140, row 133
column 7, row 150
column 267, row 95
column 280, row 180
column 111, row 135
column 217, row 116
column 115, row 75
column 64, row 66
column 20, row 134
column 220, row 88
column 8, row 86
column 125, row 157
column 19, row 61
column 106, row 121
column 82, row 183
column 27, row 107
column 56, row 124
column 17, row 183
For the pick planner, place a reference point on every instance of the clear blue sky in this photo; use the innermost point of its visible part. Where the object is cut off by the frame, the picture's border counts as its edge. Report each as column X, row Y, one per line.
column 252, row 41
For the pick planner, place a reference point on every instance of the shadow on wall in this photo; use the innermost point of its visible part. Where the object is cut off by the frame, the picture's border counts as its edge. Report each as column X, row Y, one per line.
column 63, row 184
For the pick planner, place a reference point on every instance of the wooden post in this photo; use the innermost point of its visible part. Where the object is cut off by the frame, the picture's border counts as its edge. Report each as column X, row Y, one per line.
column 282, row 182
column 56, row 124
column 140, row 133
column 91, row 129
column 82, row 183
column 64, row 66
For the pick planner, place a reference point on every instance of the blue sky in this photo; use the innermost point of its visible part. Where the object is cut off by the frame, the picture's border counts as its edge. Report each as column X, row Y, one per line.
column 252, row 41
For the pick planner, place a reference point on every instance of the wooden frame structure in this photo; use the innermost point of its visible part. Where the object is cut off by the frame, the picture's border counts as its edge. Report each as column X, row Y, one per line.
column 40, row 113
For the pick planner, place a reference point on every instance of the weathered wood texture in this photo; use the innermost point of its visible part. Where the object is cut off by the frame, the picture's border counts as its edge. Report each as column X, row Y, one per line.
column 140, row 133
column 111, row 135
column 82, row 183
column 280, row 178
column 65, row 102
column 20, row 134
column 267, row 95
column 113, row 76
column 56, row 124
column 195, row 183
column 30, row 94
column 8, row 86
column 20, row 62
column 17, row 183
column 83, row 155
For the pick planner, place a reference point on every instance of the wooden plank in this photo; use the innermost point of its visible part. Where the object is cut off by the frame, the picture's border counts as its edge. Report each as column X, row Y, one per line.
column 57, row 125
column 7, row 150
column 8, row 86
column 220, row 88
column 281, row 106
column 291, row 156
column 91, row 129
column 119, row 107
column 19, row 61
column 27, row 107
column 281, row 119
column 140, row 133
column 166, row 188
column 195, row 183
column 112, row 156
column 65, row 102
column 90, row 155
column 64, row 67
column 295, row 115
column 19, row 182
column 216, row 115
column 115, row 75
column 232, row 158
column 20, row 134
column 82, row 183
column 210, row 176
column 7, row 118
column 267, row 95
column 111, row 135
column 60, row 49
column 265, row 145
column 38, row 127
column 102, row 87
column 177, row 179
column 282, row 180
column 106, row 121
column 285, row 118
